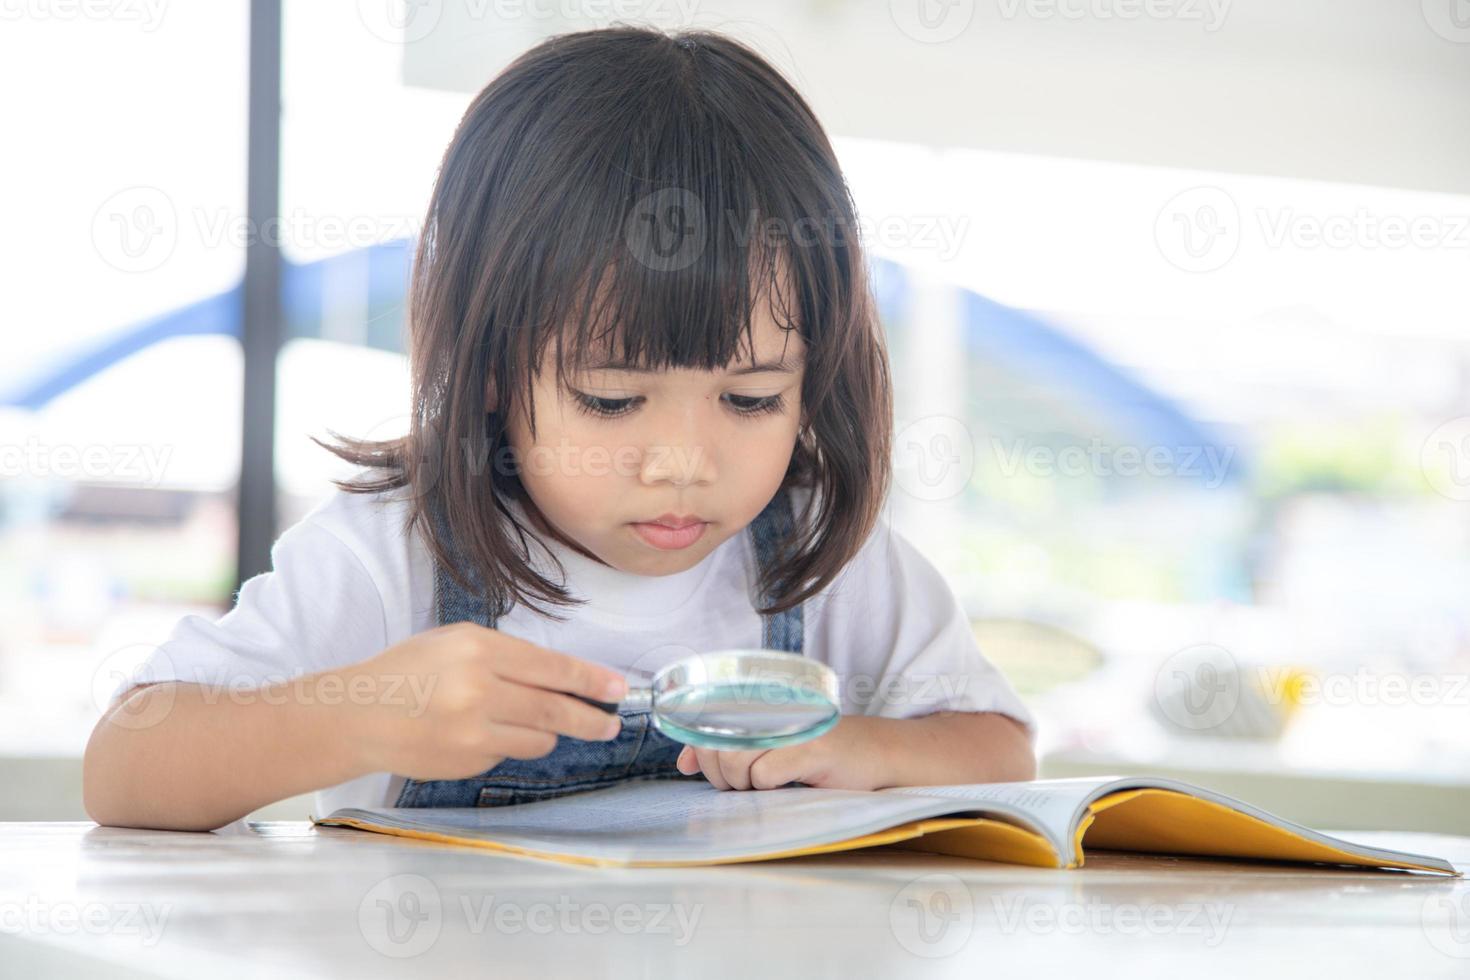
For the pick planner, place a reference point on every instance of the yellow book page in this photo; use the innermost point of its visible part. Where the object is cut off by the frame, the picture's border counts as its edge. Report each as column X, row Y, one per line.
column 902, row 832
column 1159, row 821
column 988, row 840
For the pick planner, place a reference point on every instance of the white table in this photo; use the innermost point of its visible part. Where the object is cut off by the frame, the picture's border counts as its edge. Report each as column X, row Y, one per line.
column 286, row 900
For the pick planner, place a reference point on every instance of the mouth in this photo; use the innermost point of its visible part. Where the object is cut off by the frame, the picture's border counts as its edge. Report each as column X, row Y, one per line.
column 675, row 522
column 671, row 534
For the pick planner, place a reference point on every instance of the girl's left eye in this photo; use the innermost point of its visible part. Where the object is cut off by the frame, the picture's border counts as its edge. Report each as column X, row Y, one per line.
column 747, row 405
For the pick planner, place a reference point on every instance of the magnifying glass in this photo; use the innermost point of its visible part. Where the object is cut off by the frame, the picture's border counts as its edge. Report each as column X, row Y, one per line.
column 737, row 699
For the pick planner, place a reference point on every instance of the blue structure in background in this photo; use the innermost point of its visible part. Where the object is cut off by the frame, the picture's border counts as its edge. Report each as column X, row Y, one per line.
column 1004, row 338
column 381, row 269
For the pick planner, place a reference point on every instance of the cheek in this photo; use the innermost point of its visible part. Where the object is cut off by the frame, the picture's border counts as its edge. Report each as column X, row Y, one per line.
column 572, row 458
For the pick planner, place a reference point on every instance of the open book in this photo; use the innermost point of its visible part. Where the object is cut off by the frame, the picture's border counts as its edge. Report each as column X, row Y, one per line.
column 676, row 823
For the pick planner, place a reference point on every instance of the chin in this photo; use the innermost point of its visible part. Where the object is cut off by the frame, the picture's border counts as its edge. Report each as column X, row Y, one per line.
column 669, row 563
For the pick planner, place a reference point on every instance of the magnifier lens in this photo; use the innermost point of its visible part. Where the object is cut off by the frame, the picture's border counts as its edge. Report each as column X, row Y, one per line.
column 745, row 700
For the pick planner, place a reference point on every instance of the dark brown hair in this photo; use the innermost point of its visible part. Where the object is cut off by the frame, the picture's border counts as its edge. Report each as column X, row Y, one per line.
column 667, row 180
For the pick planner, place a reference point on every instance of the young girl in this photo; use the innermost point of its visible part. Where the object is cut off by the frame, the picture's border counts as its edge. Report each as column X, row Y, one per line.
column 651, row 417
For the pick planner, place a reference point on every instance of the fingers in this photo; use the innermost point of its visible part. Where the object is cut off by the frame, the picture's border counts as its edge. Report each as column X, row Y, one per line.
column 520, row 743
column 526, row 663
column 774, row 769
column 724, row 770
column 709, row 764
column 548, row 711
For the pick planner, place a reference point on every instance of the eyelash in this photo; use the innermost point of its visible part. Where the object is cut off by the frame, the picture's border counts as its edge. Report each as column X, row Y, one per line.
column 592, row 405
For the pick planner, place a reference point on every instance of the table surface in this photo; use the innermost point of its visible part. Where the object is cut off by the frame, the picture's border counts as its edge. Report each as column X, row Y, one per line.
column 284, row 899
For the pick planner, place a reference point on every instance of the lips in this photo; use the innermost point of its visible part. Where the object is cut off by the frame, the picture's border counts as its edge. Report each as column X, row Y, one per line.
column 675, row 522
column 663, row 535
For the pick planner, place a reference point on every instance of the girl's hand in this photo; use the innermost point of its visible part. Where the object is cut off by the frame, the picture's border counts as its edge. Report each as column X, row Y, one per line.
column 849, row 756
column 867, row 752
column 454, row 701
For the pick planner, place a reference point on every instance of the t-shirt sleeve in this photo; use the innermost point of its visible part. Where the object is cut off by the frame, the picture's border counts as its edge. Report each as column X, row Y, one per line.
column 896, row 633
column 317, row 608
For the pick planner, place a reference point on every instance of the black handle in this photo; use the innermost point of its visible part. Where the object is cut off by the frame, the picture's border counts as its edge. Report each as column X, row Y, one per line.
column 611, row 707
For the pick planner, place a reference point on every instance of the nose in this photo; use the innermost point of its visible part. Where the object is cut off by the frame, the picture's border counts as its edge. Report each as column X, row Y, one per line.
column 676, row 451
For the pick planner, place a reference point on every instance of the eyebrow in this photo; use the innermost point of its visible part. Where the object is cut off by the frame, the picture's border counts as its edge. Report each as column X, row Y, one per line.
column 779, row 367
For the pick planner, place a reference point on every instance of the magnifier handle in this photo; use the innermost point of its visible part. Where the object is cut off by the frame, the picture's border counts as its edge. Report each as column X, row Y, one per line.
column 611, row 707
column 638, row 699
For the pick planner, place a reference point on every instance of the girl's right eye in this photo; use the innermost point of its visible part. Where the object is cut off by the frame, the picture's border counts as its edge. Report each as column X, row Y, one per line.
column 603, row 407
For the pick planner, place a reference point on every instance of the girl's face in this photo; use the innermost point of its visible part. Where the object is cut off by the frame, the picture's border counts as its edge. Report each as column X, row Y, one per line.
column 624, row 447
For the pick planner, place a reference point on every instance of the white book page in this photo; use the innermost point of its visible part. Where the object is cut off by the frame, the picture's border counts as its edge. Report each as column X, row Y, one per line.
column 1050, row 806
column 671, row 820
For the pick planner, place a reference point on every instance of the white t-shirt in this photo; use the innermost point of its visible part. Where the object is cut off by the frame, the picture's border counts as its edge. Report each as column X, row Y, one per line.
column 347, row 583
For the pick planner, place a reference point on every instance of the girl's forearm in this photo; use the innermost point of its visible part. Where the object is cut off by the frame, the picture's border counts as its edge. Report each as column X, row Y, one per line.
column 952, row 747
column 178, row 756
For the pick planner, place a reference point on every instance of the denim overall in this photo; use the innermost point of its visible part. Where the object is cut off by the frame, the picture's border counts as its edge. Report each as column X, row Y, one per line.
column 640, row 751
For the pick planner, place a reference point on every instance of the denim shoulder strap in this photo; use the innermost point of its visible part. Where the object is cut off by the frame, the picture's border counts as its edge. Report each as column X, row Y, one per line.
column 769, row 536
